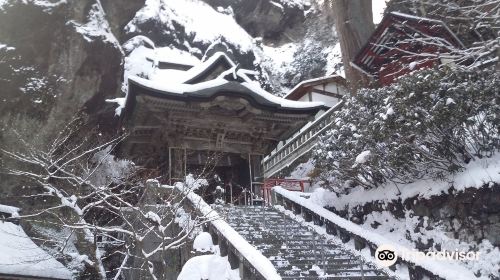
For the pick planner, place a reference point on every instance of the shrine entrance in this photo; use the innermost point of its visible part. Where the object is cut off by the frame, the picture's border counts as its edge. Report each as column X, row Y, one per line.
column 217, row 125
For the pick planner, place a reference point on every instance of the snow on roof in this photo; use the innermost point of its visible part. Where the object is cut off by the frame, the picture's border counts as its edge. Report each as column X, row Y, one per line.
column 9, row 209
column 219, row 83
column 201, row 68
column 320, row 79
column 172, row 55
column 180, row 76
column 21, row 256
column 440, row 22
column 255, row 87
column 171, row 81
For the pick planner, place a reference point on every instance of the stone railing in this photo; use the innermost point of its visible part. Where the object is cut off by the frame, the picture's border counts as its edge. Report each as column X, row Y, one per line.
column 241, row 254
column 346, row 231
column 299, row 144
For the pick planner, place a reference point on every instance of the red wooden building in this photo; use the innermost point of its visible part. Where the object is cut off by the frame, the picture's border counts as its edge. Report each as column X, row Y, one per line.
column 403, row 43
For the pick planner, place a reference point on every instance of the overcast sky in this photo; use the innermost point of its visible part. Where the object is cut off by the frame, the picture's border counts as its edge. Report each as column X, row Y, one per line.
column 378, row 10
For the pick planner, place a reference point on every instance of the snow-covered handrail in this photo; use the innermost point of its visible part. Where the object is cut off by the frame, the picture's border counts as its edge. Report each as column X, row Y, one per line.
column 299, row 144
column 255, row 258
column 446, row 270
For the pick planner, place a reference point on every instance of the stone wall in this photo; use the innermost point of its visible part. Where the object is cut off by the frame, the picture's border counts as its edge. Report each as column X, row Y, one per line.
column 472, row 215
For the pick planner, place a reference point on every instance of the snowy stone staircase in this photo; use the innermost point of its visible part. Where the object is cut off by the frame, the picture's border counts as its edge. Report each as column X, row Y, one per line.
column 296, row 251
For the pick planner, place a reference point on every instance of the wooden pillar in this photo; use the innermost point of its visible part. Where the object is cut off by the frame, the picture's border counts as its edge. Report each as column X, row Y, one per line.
column 306, row 214
column 215, row 237
column 245, row 272
column 233, row 259
column 223, row 247
column 177, row 161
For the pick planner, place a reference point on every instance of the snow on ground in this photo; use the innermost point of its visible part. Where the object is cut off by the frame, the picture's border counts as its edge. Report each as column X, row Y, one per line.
column 364, row 254
column 475, row 175
column 404, row 231
column 34, row 84
column 400, row 230
column 208, row 267
column 21, row 256
column 447, row 269
column 203, row 243
column 199, row 20
column 250, row 253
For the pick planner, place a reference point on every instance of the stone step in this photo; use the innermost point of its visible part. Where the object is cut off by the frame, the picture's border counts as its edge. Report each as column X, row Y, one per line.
column 294, row 248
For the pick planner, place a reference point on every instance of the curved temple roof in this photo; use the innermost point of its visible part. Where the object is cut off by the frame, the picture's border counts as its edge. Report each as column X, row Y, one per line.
column 226, row 80
column 210, row 89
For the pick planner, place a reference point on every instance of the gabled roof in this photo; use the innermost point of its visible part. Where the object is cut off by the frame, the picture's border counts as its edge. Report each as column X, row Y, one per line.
column 201, row 72
column 303, row 87
column 167, row 56
column 216, row 76
column 209, row 90
column 432, row 31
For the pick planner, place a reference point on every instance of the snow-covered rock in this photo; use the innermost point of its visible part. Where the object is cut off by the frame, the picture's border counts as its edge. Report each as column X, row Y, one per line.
column 208, row 267
column 203, row 243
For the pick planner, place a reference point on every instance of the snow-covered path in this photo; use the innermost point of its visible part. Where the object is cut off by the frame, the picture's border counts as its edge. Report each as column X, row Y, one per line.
column 295, row 250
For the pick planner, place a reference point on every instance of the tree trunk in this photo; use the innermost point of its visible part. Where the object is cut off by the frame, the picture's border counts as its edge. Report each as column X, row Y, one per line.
column 354, row 24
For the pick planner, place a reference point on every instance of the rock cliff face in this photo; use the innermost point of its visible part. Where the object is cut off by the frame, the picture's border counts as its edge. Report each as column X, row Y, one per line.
column 59, row 57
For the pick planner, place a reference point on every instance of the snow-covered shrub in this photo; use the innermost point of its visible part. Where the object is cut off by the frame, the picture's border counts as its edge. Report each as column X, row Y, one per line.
column 426, row 125
column 108, row 169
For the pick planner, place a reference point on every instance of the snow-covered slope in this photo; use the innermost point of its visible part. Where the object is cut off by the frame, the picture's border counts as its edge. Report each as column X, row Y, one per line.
column 59, row 58
column 308, row 50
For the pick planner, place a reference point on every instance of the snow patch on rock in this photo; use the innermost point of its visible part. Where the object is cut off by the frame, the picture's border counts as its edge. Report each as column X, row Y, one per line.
column 97, row 26
column 199, row 20
column 476, row 174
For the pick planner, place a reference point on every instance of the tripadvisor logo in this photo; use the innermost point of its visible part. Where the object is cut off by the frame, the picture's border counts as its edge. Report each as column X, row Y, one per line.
column 386, row 255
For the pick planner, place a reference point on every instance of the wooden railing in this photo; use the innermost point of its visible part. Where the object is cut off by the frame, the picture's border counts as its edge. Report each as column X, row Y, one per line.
column 299, row 144
column 346, row 231
column 241, row 254
column 287, row 184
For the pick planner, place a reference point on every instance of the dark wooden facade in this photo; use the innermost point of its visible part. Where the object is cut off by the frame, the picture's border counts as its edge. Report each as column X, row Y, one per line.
column 403, row 43
column 217, row 117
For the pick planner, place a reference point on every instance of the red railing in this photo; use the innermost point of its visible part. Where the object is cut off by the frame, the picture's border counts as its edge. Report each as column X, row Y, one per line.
column 296, row 185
